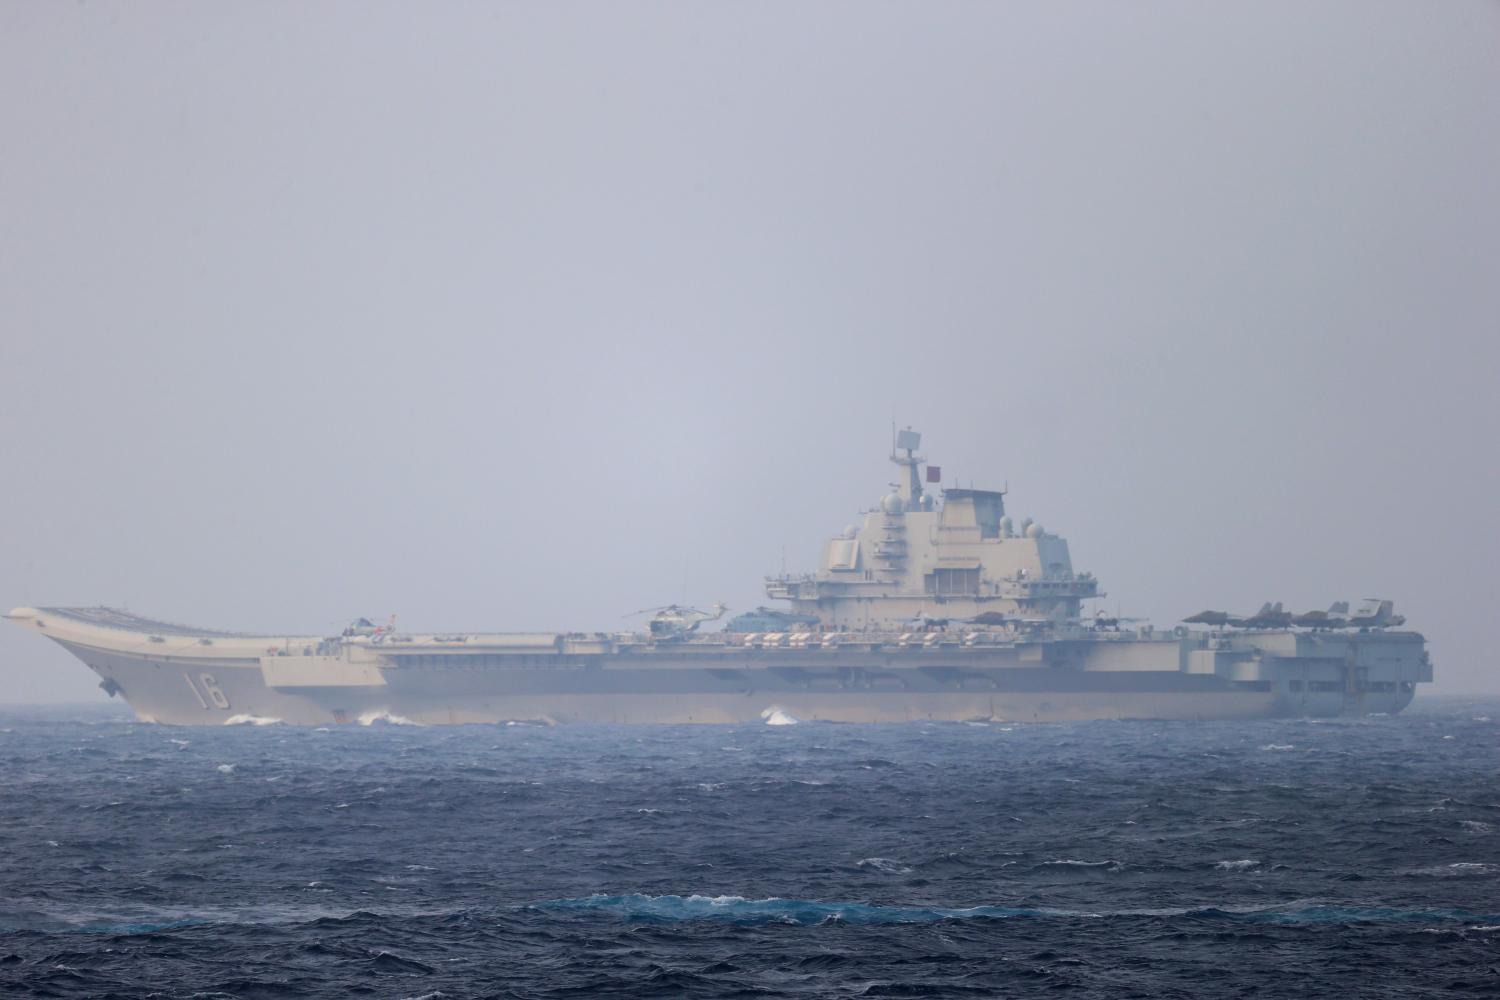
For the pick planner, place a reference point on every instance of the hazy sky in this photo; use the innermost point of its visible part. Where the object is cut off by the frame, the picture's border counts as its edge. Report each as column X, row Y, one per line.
column 530, row 316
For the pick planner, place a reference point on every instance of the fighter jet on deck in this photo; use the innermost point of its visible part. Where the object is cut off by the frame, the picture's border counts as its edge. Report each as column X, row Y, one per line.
column 1337, row 616
column 1375, row 613
column 1269, row 616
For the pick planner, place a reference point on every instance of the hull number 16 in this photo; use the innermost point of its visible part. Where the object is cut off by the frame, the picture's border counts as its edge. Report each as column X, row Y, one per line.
column 210, row 692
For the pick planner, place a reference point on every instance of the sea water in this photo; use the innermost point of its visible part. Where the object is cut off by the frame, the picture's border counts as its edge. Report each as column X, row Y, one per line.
column 1281, row 858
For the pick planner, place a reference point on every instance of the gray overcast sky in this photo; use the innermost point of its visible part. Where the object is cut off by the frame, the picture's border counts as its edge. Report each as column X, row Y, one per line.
column 530, row 316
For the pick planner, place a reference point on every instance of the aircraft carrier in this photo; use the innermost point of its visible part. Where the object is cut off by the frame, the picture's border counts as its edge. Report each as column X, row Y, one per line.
column 936, row 606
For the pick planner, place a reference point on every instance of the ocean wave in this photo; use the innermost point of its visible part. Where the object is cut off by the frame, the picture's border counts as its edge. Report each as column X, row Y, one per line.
column 1357, row 887
column 244, row 719
column 775, row 910
column 1106, row 865
column 1457, row 869
column 150, row 919
column 386, row 717
column 1335, row 913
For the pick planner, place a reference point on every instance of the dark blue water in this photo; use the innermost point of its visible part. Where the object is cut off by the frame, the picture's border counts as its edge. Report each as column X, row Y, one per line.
column 1100, row 859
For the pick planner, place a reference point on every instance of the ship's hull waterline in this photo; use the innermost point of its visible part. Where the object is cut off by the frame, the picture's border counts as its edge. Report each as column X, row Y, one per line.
column 206, row 678
column 496, row 702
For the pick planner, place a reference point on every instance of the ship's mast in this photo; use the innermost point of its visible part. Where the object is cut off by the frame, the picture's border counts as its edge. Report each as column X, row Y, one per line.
column 908, row 441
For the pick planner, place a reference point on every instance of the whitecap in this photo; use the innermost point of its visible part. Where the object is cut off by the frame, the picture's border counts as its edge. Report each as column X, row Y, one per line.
column 1071, row 863
column 1236, row 866
column 225, row 769
column 1278, row 746
column 386, row 716
column 885, row 865
column 775, row 716
column 180, row 743
column 245, row 719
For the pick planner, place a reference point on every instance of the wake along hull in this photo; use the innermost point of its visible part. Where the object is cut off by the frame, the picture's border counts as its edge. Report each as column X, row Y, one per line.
column 196, row 677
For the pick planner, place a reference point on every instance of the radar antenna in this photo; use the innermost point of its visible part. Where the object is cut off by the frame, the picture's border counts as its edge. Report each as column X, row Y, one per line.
column 908, row 441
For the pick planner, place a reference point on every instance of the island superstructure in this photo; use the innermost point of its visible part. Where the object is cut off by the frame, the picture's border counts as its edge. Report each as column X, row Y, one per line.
column 937, row 606
column 961, row 558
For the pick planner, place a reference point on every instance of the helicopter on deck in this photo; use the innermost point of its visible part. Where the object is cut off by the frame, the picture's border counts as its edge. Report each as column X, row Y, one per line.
column 674, row 621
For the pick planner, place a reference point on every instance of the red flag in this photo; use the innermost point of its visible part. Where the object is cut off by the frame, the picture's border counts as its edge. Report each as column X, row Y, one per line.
column 934, row 474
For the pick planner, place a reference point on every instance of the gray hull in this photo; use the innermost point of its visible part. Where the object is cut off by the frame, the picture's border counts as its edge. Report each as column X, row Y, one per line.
column 214, row 678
